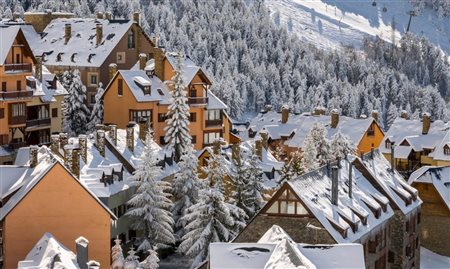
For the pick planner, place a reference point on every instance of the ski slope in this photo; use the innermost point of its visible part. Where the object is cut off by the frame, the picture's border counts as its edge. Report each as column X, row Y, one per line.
column 333, row 23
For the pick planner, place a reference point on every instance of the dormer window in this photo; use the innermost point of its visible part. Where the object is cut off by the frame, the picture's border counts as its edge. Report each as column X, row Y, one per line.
column 144, row 84
column 160, row 92
column 388, row 144
column 446, row 150
column 58, row 57
column 131, row 42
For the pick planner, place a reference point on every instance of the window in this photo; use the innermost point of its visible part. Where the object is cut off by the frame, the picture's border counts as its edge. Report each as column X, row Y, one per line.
column 162, row 117
column 213, row 114
column 446, row 150
column 18, row 109
column 131, row 40
column 19, row 85
column 4, row 86
column 93, row 79
column 44, row 136
column 371, row 131
column 2, row 113
column 160, row 92
column 208, row 138
column 192, row 93
column 162, row 141
column 92, row 99
column 120, row 87
column 287, row 204
column 54, row 112
column 387, row 144
column 136, row 115
column 192, row 117
column 121, row 57
column 194, row 139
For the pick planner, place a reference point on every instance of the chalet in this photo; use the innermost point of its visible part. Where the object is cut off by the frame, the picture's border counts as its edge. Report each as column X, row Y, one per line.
column 288, row 131
column 276, row 249
column 329, row 206
column 433, row 184
column 404, row 249
column 32, row 195
column 30, row 97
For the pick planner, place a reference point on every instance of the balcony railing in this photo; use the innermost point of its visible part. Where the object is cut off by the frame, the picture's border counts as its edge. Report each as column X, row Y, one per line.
column 17, row 120
column 38, row 122
column 17, row 145
column 197, row 100
column 24, row 67
column 15, row 95
column 210, row 123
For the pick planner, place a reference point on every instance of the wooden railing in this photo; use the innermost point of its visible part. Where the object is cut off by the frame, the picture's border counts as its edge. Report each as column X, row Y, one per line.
column 210, row 123
column 17, row 120
column 16, row 94
column 24, row 67
column 197, row 100
column 38, row 122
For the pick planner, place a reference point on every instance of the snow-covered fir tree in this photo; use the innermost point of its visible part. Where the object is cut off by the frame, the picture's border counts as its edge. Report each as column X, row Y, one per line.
column 117, row 255
column 97, row 111
column 239, row 194
column 318, row 135
column 216, row 170
column 185, row 188
column 341, row 146
column 253, row 186
column 177, row 129
column 76, row 114
column 309, row 160
column 132, row 260
column 151, row 262
column 150, row 206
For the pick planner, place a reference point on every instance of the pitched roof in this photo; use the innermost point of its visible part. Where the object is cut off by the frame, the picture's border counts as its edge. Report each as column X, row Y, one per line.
column 7, row 35
column 135, row 80
column 438, row 153
column 189, row 68
column 438, row 176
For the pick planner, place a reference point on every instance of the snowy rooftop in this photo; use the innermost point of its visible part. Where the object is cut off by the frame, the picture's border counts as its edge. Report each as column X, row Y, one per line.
column 438, row 176
column 358, row 216
column 81, row 50
column 438, row 153
column 45, row 252
column 403, row 196
column 189, row 68
column 45, row 90
column 8, row 34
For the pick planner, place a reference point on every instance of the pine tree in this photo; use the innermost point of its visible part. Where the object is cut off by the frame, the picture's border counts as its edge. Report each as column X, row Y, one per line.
column 76, row 111
column 215, row 171
column 150, row 206
column 177, row 129
column 97, row 111
column 315, row 142
column 117, row 255
column 341, row 146
column 185, row 186
column 309, row 157
column 239, row 194
column 131, row 262
column 151, row 262
column 253, row 188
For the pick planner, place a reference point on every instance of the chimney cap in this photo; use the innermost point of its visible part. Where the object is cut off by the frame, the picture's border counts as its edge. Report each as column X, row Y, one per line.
column 82, row 241
column 82, row 136
column 284, row 107
column 113, row 65
column 426, row 114
column 335, row 111
column 54, row 136
column 131, row 124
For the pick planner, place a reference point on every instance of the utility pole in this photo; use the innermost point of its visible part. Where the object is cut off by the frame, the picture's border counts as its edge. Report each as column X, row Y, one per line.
column 411, row 14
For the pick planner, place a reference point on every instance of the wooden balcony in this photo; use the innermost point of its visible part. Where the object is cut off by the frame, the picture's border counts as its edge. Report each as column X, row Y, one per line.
column 23, row 67
column 17, row 145
column 17, row 120
column 197, row 100
column 213, row 123
column 16, row 95
column 38, row 122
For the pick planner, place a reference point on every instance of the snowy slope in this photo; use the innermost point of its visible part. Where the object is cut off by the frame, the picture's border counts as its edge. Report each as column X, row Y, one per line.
column 331, row 23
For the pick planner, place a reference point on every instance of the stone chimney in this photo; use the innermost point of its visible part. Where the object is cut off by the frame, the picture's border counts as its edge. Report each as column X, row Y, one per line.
column 137, row 17
column 130, row 136
column 112, row 70
column 426, row 123
column 159, row 63
column 404, row 114
column 100, row 141
column 264, row 138
column 33, row 155
column 82, row 245
column 76, row 162
column 267, row 108
column 38, row 68
column 236, row 152
column 99, row 15
column 350, row 180
column 108, row 15
column 334, row 185
column 217, row 145
column 375, row 115
column 82, row 142
column 142, row 61
column 63, row 140
column 284, row 113
column 319, row 111
column 67, row 32
column 258, row 148
column 68, row 156
column 99, row 33
column 334, row 118
column 142, row 129
column 113, row 133
column 54, row 143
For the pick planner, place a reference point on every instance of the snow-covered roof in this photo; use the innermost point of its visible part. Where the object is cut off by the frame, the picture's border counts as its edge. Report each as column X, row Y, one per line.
column 159, row 91
column 438, row 153
column 438, row 176
column 189, row 68
column 44, row 89
column 81, row 49
column 314, row 189
column 49, row 253
column 282, row 252
column 214, row 102
column 8, row 34
column 393, row 185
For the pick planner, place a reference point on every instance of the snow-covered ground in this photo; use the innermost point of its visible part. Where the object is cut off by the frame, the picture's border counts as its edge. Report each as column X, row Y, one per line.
column 331, row 23
column 431, row 260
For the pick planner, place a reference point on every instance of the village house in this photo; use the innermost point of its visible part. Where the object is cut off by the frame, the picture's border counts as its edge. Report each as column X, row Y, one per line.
column 30, row 97
column 141, row 95
column 288, row 131
column 416, row 143
column 433, row 184
column 90, row 45
column 276, row 249
column 38, row 198
column 332, row 205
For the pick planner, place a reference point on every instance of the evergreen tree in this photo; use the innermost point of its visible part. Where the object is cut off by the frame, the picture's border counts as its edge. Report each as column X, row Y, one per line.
column 309, row 160
column 117, row 255
column 253, row 188
column 150, row 206
column 76, row 111
column 318, row 134
column 215, row 170
column 239, row 194
column 131, row 262
column 177, row 129
column 97, row 111
column 151, row 262
column 341, row 146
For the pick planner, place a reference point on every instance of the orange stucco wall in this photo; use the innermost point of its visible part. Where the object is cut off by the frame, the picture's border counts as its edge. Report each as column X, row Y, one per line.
column 367, row 142
column 60, row 205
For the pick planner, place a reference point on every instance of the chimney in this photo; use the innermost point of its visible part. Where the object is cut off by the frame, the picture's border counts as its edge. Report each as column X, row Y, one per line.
column 33, row 155
column 76, row 162
column 93, row 264
column 258, row 148
column 372, row 153
column 100, row 141
column 130, row 136
column 426, row 122
column 334, row 185
column 68, row 156
column 63, row 140
column 334, row 118
column 137, row 17
column 264, row 138
column 99, row 15
column 82, row 245
column 113, row 133
column 236, row 152
column 16, row 16
column 392, row 157
column 142, row 129
column 267, row 108
column 142, row 61
column 159, row 63
column 38, row 68
column 217, row 146
column 108, row 15
column 112, row 70
column 67, row 32
column 319, row 111
column 82, row 142
column 99, row 33
column 375, row 115
column 284, row 113
column 54, row 144
column 404, row 114
column 350, row 180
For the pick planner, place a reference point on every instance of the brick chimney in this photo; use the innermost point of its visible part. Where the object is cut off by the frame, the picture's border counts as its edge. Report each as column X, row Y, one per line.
column 33, row 155
column 38, row 68
column 284, row 113
column 264, row 138
column 142, row 129
column 404, row 114
column 319, row 111
column 82, row 249
column 375, row 115
column 76, row 162
column 113, row 133
column 54, row 143
column 67, row 32
column 99, row 33
column 142, row 61
column 130, row 136
column 100, row 141
column 63, row 140
column 258, row 148
column 426, row 123
column 82, row 142
column 108, row 16
column 137, row 17
column 236, row 152
column 99, row 15
column 334, row 118
column 112, row 70
column 334, row 185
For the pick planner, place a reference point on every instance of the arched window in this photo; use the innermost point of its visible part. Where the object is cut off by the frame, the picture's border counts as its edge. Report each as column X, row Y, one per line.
column 131, row 38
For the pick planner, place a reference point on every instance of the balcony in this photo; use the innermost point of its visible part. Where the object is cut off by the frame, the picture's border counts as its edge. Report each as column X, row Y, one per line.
column 17, row 145
column 17, row 120
column 16, row 95
column 212, row 123
column 23, row 67
column 38, row 123
column 197, row 100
